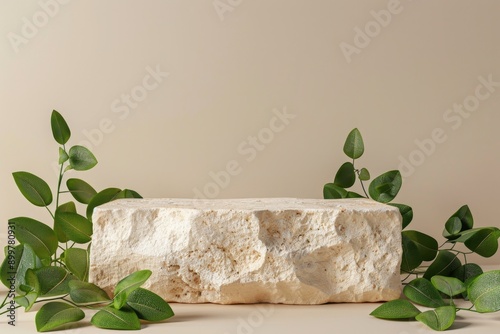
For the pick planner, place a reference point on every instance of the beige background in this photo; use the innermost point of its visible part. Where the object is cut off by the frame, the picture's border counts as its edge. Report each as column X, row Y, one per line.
column 229, row 68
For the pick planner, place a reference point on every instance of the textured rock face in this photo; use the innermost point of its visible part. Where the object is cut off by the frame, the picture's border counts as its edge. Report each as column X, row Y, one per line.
column 279, row 250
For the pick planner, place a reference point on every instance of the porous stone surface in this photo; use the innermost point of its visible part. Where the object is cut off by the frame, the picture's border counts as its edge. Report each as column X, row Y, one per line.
column 276, row 250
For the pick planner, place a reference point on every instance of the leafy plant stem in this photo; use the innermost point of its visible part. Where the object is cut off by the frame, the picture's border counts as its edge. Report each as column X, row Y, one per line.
column 15, row 308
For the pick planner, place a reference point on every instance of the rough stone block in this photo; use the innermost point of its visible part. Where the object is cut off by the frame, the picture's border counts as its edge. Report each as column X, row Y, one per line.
column 276, row 250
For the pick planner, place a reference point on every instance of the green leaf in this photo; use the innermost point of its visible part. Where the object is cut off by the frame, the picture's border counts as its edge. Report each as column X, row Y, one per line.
column 127, row 193
column 28, row 260
column 81, row 190
column 53, row 281
column 74, row 226
column 467, row 271
column 385, row 187
column 56, row 314
column 111, row 318
column 33, row 188
column 10, row 264
column 484, row 292
column 422, row 292
column 444, row 264
column 453, row 226
column 149, row 306
column 80, row 158
column 460, row 221
column 352, row 194
column 450, row 286
column 66, row 207
column 427, row 245
column 127, row 285
column 28, row 300
column 63, row 156
column 345, row 176
column 332, row 191
column 411, row 255
column 484, row 242
column 102, row 197
column 396, row 309
column 439, row 319
column 60, row 129
column 354, row 146
column 39, row 236
column 364, row 174
column 406, row 212
column 78, row 263
column 87, row 293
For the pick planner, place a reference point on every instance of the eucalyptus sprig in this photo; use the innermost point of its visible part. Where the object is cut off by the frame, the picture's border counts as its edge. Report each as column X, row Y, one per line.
column 439, row 277
column 47, row 267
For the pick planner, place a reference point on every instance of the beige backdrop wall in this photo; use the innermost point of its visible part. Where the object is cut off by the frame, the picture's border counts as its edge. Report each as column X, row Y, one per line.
column 167, row 93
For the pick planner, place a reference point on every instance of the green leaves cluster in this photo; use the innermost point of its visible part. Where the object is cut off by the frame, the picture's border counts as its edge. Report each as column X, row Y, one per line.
column 439, row 270
column 134, row 305
column 47, row 263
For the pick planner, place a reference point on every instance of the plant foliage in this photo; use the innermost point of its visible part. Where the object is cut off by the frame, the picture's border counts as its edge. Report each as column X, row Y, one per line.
column 50, row 269
column 441, row 273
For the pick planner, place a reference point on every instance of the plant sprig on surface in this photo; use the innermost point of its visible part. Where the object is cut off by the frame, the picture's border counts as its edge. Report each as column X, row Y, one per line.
column 49, row 268
column 439, row 275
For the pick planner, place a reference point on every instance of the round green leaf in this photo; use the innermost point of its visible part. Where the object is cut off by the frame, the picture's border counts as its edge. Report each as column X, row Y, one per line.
column 149, row 306
column 10, row 264
column 439, row 319
column 81, row 190
column 60, row 129
column 352, row 194
column 332, row 191
column 87, row 293
column 484, row 242
column 56, row 314
column 411, row 255
column 444, row 264
column 345, row 176
column 364, row 174
column 354, row 146
column 396, row 309
column 28, row 300
column 63, row 156
column 427, row 245
column 453, row 226
column 102, row 197
column 80, row 158
column 460, row 221
column 484, row 292
column 127, row 285
column 467, row 271
column 39, row 236
column 66, row 207
column 75, row 227
column 28, row 261
column 127, row 193
column 422, row 292
column 450, row 286
column 406, row 213
column 53, row 281
column 385, row 187
column 33, row 188
column 111, row 318
column 78, row 263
